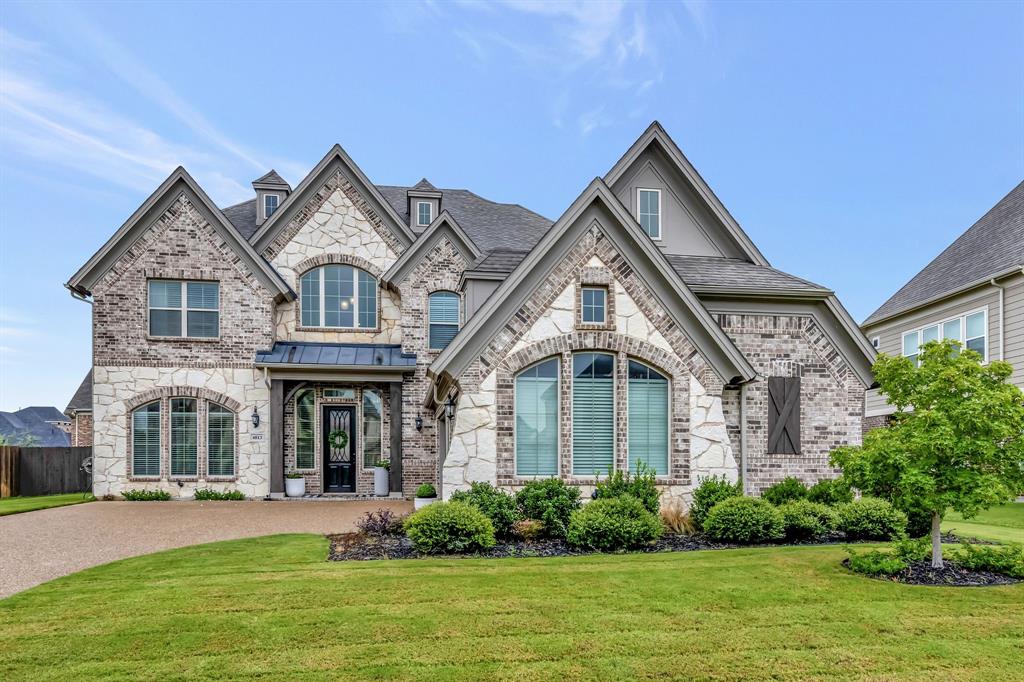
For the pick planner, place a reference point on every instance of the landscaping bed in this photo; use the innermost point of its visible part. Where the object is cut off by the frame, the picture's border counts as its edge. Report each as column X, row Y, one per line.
column 950, row 575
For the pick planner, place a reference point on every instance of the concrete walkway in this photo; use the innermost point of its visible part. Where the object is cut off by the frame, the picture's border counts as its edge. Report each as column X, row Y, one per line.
column 50, row 543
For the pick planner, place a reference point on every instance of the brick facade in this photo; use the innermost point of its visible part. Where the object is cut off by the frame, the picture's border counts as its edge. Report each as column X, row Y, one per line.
column 81, row 429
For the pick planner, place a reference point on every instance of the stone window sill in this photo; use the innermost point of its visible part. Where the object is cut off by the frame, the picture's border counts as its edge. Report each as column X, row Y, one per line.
column 188, row 339
column 341, row 330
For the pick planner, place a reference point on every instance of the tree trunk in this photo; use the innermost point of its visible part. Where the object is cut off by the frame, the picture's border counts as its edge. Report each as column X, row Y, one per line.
column 936, row 540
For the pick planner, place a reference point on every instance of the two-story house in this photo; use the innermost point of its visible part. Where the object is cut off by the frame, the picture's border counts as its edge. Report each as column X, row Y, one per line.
column 972, row 292
column 321, row 329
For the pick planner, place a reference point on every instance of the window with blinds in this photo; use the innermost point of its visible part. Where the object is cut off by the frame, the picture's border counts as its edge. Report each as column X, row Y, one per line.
column 146, row 440
column 305, row 429
column 184, row 441
column 338, row 296
column 444, row 319
column 648, row 418
column 179, row 308
column 373, row 411
column 220, row 441
column 593, row 413
column 536, row 411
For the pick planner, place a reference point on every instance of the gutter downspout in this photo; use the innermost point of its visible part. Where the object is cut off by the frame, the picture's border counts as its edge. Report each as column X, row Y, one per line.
column 1002, row 316
column 743, row 437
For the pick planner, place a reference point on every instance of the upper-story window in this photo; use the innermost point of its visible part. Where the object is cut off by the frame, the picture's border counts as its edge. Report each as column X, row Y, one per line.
column 270, row 204
column 971, row 330
column 187, row 309
column 444, row 319
column 649, row 211
column 339, row 296
column 423, row 213
column 876, row 342
column 593, row 305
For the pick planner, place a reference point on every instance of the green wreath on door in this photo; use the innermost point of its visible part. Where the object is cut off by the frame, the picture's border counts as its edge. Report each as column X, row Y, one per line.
column 338, row 439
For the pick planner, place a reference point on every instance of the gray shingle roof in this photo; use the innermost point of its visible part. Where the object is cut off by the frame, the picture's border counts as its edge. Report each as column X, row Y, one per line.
column 42, row 413
column 82, row 399
column 243, row 217
column 499, row 261
column 32, row 423
column 733, row 273
column 333, row 354
column 993, row 245
column 271, row 178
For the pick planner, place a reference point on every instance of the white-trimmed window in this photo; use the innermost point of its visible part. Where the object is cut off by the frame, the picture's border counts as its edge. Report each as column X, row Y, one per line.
column 305, row 429
column 146, row 440
column 648, row 418
column 970, row 329
column 444, row 319
column 185, row 309
column 270, row 202
column 876, row 342
column 184, row 437
column 220, row 441
column 648, row 202
column 593, row 305
column 593, row 413
column 340, row 297
column 536, row 424
column 424, row 213
column 373, row 417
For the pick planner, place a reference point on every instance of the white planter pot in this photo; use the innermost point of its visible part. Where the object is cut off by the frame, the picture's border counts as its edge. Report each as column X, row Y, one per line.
column 294, row 487
column 381, row 482
column 421, row 502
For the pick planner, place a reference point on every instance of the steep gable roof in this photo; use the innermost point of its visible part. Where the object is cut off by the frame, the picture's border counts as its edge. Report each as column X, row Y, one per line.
column 629, row 238
column 992, row 246
column 444, row 225
column 82, row 399
column 271, row 179
column 177, row 183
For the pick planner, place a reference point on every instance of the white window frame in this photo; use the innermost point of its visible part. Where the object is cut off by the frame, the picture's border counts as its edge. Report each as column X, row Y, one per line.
column 615, row 406
column 184, row 309
column 277, row 205
column 660, row 213
column 430, row 213
column 962, row 319
column 558, row 420
column 604, row 307
column 355, row 306
column 668, row 422
column 876, row 342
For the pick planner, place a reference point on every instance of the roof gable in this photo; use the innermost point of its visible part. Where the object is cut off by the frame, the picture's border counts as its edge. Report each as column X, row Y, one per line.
column 336, row 160
column 444, row 226
column 705, row 226
column 596, row 204
column 178, row 183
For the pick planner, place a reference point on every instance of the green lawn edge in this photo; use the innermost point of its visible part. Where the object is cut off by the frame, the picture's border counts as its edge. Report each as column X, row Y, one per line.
column 20, row 505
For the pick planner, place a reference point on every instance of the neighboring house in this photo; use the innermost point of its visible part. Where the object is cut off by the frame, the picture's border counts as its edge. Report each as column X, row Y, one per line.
column 322, row 329
column 79, row 411
column 972, row 292
column 35, row 426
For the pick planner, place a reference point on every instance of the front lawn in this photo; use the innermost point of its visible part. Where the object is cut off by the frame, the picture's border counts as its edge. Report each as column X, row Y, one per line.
column 17, row 505
column 1000, row 524
column 273, row 607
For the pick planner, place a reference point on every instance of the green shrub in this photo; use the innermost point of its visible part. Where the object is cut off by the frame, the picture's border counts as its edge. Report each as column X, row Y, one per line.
column 786, row 490
column 426, row 490
column 613, row 523
column 450, row 528
column 211, row 494
column 832, row 492
column 497, row 505
column 641, row 486
column 875, row 562
column 528, row 529
column 919, row 522
column 744, row 520
column 1005, row 559
column 910, row 549
column 871, row 518
column 710, row 492
column 146, row 495
column 806, row 520
column 551, row 502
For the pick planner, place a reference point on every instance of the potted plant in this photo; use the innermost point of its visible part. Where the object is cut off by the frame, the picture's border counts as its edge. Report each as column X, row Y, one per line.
column 425, row 494
column 294, row 485
column 382, row 478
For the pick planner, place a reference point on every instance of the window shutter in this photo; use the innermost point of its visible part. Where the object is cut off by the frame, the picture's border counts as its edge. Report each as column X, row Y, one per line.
column 784, row 415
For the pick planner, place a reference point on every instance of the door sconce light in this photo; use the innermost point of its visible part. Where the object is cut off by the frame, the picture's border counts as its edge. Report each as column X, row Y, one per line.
column 449, row 408
column 419, row 423
column 255, row 418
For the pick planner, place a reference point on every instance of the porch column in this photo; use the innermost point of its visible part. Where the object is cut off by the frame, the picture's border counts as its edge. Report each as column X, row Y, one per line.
column 395, row 397
column 276, row 438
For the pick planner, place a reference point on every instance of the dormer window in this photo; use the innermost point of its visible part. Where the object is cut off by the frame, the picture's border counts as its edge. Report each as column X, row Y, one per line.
column 269, row 204
column 423, row 213
column 649, row 211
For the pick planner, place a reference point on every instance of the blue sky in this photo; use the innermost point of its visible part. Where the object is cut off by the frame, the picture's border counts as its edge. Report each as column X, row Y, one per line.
column 853, row 141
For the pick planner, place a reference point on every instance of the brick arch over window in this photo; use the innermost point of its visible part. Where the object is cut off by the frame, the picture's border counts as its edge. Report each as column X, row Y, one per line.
column 336, row 259
column 623, row 348
column 141, row 399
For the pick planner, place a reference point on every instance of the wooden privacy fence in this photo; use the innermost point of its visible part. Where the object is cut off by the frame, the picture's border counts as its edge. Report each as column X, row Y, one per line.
column 43, row 471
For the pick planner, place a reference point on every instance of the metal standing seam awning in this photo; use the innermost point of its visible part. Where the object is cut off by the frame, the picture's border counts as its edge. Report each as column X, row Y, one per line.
column 336, row 361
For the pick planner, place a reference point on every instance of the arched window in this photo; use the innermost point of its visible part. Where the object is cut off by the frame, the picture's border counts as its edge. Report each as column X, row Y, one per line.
column 536, row 411
column 648, row 418
column 220, row 441
column 184, row 437
column 373, row 411
column 339, row 296
column 593, row 413
column 146, row 440
column 444, row 319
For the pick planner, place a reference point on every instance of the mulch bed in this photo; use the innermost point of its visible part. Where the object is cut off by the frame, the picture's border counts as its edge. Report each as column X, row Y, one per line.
column 950, row 575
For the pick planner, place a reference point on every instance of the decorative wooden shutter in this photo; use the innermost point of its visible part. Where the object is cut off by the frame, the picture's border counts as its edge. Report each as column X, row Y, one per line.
column 784, row 415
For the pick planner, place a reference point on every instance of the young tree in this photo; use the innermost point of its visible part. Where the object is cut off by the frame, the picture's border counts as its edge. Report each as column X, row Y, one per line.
column 956, row 440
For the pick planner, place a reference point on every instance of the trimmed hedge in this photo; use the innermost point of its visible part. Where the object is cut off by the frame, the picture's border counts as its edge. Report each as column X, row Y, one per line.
column 497, row 505
column 806, row 520
column 786, row 490
column 146, row 495
column 450, row 528
column 708, row 493
column 640, row 485
column 745, row 520
column 551, row 502
column 613, row 523
column 832, row 492
column 871, row 518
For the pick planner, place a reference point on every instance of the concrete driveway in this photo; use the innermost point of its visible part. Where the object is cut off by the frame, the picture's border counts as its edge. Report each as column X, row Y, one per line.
column 50, row 543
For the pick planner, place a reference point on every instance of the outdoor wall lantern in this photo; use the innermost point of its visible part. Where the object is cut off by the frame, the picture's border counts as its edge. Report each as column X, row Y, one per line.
column 449, row 408
column 419, row 423
column 255, row 418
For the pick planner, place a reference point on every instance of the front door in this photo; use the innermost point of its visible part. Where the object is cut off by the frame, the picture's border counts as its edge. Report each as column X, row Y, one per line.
column 339, row 437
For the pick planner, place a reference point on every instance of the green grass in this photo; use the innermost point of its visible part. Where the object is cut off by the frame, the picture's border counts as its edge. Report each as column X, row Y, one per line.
column 17, row 505
column 1000, row 524
column 273, row 608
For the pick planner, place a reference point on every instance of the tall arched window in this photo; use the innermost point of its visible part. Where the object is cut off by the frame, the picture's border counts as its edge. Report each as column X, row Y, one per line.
column 593, row 413
column 536, row 411
column 184, row 437
column 146, row 440
column 444, row 319
column 339, row 296
column 220, row 441
column 648, row 418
